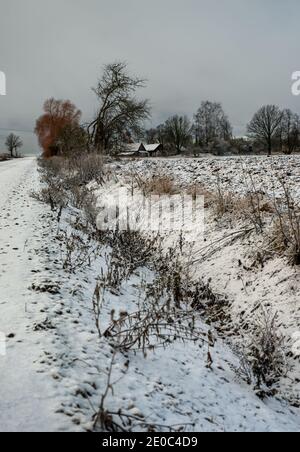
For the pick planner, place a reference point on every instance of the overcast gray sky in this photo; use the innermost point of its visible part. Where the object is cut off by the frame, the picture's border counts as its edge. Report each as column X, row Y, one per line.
column 239, row 52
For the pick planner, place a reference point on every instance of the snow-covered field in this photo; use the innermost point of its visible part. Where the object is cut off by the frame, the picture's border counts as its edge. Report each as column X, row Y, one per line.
column 55, row 369
column 228, row 170
column 229, row 267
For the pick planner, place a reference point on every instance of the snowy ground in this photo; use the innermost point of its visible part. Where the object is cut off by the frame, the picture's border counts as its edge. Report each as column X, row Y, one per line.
column 54, row 372
column 230, row 269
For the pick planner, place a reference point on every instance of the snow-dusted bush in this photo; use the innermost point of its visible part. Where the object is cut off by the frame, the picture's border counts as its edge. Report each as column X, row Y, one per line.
column 65, row 182
column 131, row 250
column 77, row 250
column 87, row 168
column 285, row 235
column 156, row 185
column 263, row 359
column 53, row 191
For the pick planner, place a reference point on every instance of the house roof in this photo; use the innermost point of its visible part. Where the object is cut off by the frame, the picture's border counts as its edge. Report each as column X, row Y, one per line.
column 152, row 147
column 127, row 154
column 133, row 147
column 139, row 148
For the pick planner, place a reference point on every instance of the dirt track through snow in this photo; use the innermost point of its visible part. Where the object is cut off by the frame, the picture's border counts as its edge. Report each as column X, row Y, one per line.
column 26, row 396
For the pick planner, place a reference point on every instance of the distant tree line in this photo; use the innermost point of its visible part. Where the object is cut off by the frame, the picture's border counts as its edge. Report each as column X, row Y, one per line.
column 276, row 129
column 121, row 116
column 270, row 129
column 210, row 125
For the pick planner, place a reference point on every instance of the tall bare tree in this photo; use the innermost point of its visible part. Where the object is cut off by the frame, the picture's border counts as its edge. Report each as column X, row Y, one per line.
column 161, row 134
column 265, row 125
column 211, row 124
column 178, row 132
column 120, row 113
column 157, row 135
column 289, row 133
column 13, row 143
column 151, row 136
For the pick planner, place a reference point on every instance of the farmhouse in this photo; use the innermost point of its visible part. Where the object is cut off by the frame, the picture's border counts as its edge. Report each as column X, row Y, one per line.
column 141, row 150
column 153, row 149
column 133, row 150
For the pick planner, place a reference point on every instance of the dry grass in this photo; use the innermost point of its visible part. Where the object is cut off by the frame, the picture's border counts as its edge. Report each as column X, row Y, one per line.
column 263, row 359
column 223, row 203
column 4, row 157
column 88, row 168
column 64, row 181
column 253, row 209
column 285, row 233
column 285, row 238
column 197, row 190
column 275, row 218
column 156, row 185
column 162, row 186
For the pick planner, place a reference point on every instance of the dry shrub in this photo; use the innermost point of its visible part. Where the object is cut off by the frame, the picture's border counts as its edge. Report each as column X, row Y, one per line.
column 64, row 182
column 54, row 167
column 81, row 196
column 285, row 239
column 154, row 327
column 131, row 250
column 54, row 190
column 197, row 190
column 262, row 358
column 285, row 235
column 223, row 203
column 166, row 313
column 88, row 168
column 162, row 186
column 56, row 197
column 156, row 185
column 4, row 157
column 79, row 170
column 253, row 208
column 77, row 251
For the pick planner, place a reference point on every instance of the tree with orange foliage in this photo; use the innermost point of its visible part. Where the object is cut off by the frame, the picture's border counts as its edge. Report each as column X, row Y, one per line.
column 58, row 114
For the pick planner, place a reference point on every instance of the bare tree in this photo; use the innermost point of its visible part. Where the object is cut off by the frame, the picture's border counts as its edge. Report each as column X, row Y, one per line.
column 178, row 132
column 13, row 143
column 161, row 134
column 151, row 136
column 289, row 131
column 265, row 125
column 211, row 124
column 120, row 113
column 157, row 135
